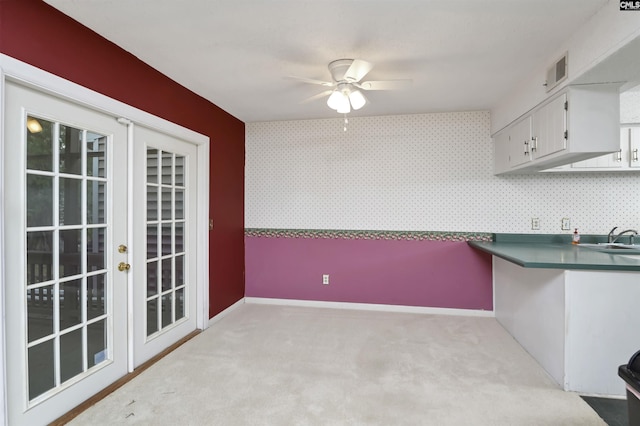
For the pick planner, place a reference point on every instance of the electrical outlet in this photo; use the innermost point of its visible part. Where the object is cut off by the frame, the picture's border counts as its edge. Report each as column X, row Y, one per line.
column 535, row 223
column 325, row 279
column 566, row 224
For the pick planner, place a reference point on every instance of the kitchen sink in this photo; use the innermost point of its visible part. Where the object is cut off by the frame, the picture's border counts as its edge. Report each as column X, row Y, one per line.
column 614, row 248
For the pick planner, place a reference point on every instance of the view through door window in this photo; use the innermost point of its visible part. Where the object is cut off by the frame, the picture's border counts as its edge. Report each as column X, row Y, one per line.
column 166, row 252
column 66, row 276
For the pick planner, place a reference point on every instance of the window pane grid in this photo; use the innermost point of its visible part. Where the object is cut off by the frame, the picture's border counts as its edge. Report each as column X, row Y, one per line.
column 165, row 226
column 62, row 249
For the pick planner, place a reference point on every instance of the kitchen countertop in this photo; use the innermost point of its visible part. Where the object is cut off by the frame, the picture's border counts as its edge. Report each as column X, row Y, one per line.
column 556, row 252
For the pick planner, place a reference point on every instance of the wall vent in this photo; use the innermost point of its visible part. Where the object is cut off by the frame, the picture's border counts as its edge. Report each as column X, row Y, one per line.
column 556, row 73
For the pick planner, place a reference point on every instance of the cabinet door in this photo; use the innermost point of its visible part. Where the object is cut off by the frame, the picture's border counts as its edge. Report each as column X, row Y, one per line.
column 549, row 127
column 614, row 160
column 520, row 143
column 634, row 147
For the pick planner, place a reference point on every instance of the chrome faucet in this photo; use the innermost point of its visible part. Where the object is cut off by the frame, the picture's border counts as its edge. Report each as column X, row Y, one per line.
column 613, row 238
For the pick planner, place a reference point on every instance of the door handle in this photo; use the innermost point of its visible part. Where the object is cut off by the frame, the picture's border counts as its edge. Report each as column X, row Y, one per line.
column 122, row 248
column 122, row 266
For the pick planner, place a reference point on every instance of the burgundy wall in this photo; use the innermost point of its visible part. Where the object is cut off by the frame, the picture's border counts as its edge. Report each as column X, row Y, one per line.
column 443, row 274
column 38, row 34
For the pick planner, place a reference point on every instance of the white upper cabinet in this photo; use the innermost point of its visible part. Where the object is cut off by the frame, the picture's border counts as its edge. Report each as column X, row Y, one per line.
column 578, row 123
column 634, row 148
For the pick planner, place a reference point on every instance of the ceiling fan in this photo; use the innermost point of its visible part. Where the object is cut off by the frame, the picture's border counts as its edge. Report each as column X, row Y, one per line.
column 347, row 74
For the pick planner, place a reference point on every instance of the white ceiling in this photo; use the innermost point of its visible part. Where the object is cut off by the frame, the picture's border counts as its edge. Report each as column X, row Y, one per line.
column 462, row 55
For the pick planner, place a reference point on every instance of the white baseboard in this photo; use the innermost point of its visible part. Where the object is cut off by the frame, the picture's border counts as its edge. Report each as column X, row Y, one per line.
column 370, row 307
column 226, row 312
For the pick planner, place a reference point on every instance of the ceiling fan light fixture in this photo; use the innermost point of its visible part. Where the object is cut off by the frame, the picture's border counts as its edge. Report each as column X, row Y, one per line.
column 345, row 106
column 335, row 100
column 357, row 99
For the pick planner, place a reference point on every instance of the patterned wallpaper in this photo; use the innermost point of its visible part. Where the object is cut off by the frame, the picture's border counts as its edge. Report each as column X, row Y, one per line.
column 422, row 172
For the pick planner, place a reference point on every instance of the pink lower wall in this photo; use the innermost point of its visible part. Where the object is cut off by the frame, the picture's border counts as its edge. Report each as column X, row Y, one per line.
column 443, row 274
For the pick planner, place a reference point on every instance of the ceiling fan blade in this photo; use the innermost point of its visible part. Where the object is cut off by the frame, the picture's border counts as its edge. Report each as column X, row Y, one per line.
column 357, row 70
column 385, row 85
column 318, row 96
column 311, row 81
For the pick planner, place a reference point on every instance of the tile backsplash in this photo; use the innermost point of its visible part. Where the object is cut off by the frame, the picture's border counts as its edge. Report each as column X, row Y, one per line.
column 416, row 172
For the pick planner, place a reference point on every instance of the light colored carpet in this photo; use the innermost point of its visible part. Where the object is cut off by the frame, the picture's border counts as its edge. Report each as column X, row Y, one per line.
column 277, row 365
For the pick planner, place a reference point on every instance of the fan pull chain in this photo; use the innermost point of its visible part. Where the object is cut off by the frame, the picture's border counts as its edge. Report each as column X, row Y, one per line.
column 346, row 121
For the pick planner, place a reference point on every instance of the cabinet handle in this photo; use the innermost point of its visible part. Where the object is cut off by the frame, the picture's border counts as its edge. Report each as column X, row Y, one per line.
column 534, row 144
column 635, row 154
column 619, row 155
column 526, row 147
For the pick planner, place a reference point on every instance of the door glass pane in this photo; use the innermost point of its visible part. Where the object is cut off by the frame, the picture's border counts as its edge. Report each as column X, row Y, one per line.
column 179, row 270
column 167, row 167
column 166, row 239
column 70, row 201
column 96, row 196
column 70, row 145
column 96, row 303
column 166, row 274
column 39, row 200
column 152, row 316
column 152, row 165
column 69, row 301
column 179, row 303
column 179, row 237
column 152, row 278
column 179, row 177
column 39, row 256
column 166, row 204
column 152, row 241
column 95, row 249
column 97, row 343
column 70, row 256
column 41, row 368
column 152, row 202
column 166, row 310
column 71, row 355
column 39, row 312
column 40, row 136
column 96, row 155
column 179, row 206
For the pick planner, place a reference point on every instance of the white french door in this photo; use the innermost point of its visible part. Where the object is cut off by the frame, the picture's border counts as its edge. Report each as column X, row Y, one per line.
column 164, row 237
column 100, row 250
column 65, row 211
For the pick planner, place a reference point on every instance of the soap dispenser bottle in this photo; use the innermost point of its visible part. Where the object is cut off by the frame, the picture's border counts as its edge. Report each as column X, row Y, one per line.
column 576, row 237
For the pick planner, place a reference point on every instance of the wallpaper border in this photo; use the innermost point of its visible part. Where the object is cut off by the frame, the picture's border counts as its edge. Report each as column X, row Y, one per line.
column 343, row 234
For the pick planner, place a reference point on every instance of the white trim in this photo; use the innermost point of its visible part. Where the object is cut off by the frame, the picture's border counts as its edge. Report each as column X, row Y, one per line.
column 371, row 307
column 202, row 242
column 130, row 244
column 226, row 312
column 3, row 383
column 46, row 82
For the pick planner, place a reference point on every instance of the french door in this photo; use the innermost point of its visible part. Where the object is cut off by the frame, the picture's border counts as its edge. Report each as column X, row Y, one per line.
column 65, row 167
column 99, row 250
column 165, row 240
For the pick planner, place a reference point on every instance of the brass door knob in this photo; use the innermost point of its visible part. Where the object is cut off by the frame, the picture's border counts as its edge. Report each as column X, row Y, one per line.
column 122, row 266
column 122, row 248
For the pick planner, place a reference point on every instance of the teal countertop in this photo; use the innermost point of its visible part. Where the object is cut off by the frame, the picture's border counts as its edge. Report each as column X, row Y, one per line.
column 556, row 252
